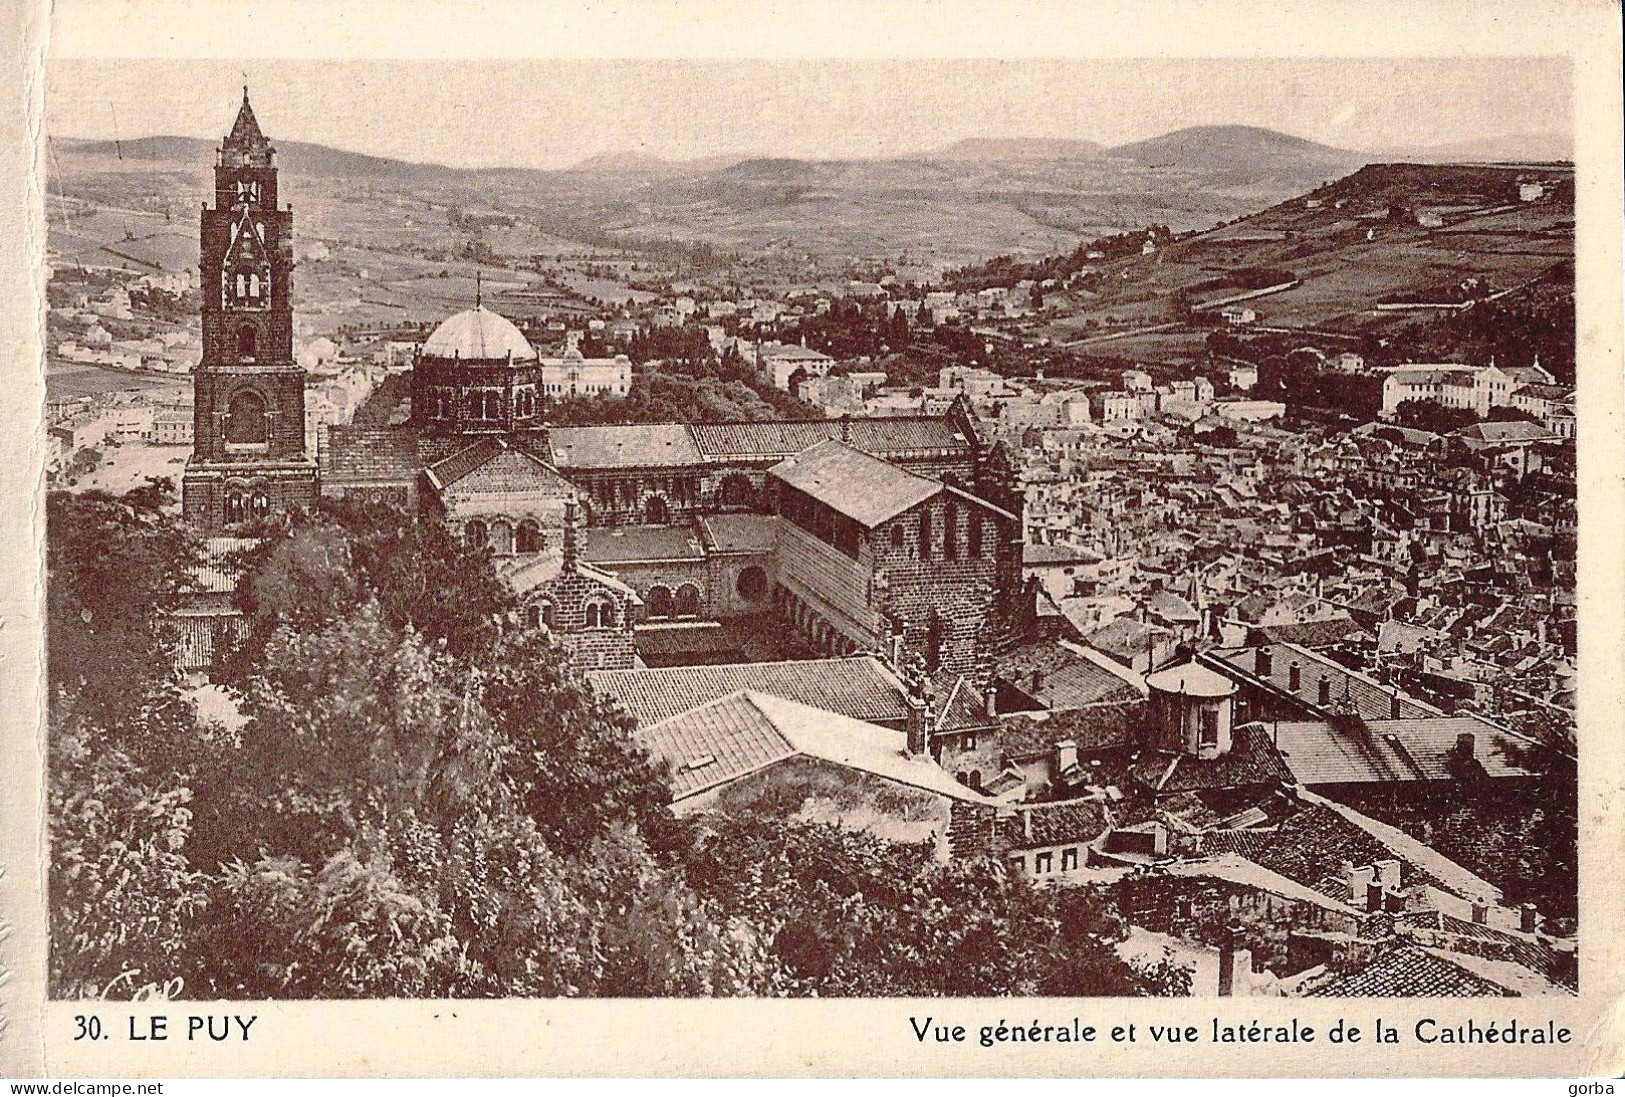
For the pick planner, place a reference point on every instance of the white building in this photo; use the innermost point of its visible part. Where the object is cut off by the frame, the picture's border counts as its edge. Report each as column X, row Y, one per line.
column 574, row 375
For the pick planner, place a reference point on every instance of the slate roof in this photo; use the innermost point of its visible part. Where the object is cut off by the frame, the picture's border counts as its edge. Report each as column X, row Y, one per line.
column 625, row 544
column 1410, row 972
column 219, row 565
column 858, row 686
column 1320, row 753
column 746, row 731
column 1067, row 679
column 1125, row 637
column 899, row 435
column 632, row 445
column 360, row 455
column 1514, row 432
column 1370, row 700
column 862, row 487
column 740, row 532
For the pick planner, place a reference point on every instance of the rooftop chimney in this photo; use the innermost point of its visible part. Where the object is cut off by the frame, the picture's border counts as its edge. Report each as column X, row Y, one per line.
column 1481, row 912
column 1527, row 919
column 1373, row 896
column 1262, row 663
column 1325, row 693
column 990, row 698
column 1465, row 744
column 1294, row 676
column 1066, row 755
column 1227, row 960
column 1393, row 705
column 914, row 728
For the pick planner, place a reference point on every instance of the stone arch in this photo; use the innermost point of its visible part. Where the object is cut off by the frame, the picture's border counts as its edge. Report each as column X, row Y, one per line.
column 656, row 511
column 688, row 600
column 248, row 420
column 736, row 490
column 752, row 583
column 476, row 534
column 658, row 602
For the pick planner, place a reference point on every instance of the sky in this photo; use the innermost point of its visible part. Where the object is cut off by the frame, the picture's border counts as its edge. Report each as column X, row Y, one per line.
column 554, row 113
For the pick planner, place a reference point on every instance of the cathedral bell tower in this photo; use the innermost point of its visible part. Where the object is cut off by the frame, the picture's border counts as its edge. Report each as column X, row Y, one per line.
column 249, row 456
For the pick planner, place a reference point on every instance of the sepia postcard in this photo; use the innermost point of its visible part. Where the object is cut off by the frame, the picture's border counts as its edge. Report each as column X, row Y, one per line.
column 922, row 538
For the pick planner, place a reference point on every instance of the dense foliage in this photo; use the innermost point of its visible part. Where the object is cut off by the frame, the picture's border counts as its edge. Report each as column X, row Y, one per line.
column 400, row 792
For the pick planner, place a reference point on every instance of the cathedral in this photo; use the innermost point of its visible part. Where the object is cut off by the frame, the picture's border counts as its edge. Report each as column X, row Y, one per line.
column 632, row 544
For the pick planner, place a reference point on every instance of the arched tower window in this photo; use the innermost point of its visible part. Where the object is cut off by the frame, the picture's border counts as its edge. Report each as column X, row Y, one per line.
column 476, row 534
column 656, row 512
column 925, row 535
column 246, row 340
column 688, row 600
column 950, row 532
column 246, row 421
column 600, row 612
column 658, row 602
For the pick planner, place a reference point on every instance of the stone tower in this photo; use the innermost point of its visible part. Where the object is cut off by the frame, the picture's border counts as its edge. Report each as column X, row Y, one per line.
column 249, row 456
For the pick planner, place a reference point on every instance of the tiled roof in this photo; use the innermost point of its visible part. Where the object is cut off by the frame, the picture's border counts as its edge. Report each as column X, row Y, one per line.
column 744, row 731
column 1410, row 972
column 1380, row 751
column 1311, row 848
column 770, row 439
column 491, row 465
column 219, row 565
column 1508, row 433
column 1251, row 760
column 195, row 637
column 1074, row 821
column 864, row 488
column 359, row 455
column 715, row 743
column 632, row 445
column 1126, row 637
column 883, row 435
column 1066, row 679
column 740, row 532
column 1310, row 634
column 858, row 686
column 1042, row 555
column 1369, row 699
column 623, row 544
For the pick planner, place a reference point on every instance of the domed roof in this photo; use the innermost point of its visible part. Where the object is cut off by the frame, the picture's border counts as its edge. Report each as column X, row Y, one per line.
column 477, row 333
column 1193, row 680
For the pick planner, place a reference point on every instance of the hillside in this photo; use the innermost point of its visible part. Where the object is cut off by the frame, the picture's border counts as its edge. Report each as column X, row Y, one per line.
column 1365, row 253
column 975, row 199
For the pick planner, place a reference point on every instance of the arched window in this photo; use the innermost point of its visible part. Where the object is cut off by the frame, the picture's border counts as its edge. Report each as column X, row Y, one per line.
column 897, row 536
column 973, row 535
column 476, row 405
column 688, row 600
column 245, row 341
column 600, row 612
column 475, row 534
column 542, row 613
column 950, row 532
column 658, row 602
column 655, row 511
column 529, row 538
column 246, row 422
column 254, row 285
column 752, row 584
column 925, row 535
column 501, row 538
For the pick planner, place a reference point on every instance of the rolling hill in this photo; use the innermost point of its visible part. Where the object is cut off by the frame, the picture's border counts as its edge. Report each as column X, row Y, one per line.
column 974, row 199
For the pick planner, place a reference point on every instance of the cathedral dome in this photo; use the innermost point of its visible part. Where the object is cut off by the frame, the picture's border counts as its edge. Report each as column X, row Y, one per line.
column 478, row 333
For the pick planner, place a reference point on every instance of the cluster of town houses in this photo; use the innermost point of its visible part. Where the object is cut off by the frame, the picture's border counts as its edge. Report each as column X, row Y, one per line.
column 1164, row 661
